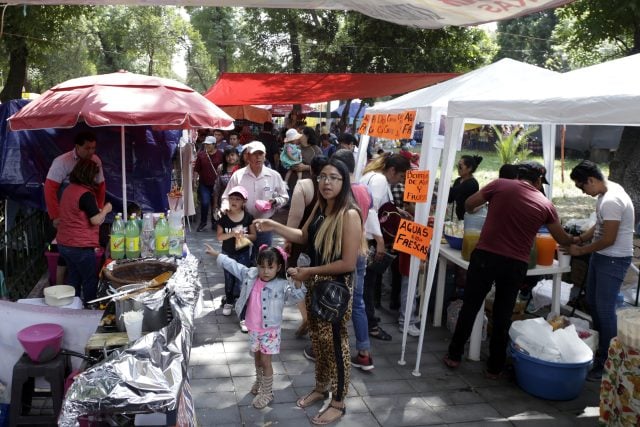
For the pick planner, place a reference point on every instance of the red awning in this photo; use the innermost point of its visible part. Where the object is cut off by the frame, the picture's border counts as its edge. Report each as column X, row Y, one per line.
column 265, row 88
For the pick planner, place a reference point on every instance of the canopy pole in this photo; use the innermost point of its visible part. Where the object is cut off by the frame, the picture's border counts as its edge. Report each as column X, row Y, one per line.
column 124, row 175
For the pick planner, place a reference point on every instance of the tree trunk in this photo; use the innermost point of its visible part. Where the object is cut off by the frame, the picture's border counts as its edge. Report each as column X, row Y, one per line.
column 624, row 167
column 296, row 59
column 17, row 69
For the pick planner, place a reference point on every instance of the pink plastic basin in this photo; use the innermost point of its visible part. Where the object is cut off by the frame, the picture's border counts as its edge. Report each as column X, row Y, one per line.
column 41, row 342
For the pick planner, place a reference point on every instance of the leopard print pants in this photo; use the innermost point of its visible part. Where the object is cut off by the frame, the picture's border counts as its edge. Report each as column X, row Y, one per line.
column 330, row 342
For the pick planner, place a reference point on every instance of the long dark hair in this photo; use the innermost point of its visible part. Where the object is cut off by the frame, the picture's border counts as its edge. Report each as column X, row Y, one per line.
column 310, row 133
column 228, row 150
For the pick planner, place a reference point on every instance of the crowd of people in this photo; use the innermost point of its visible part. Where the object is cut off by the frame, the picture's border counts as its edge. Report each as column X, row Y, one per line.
column 334, row 232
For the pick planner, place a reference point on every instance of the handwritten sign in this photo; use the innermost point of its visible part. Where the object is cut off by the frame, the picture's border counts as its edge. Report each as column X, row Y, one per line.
column 413, row 238
column 390, row 126
column 416, row 184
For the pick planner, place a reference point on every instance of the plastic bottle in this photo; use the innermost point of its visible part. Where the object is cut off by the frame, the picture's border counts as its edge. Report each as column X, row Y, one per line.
column 162, row 236
column 132, row 239
column 473, row 223
column 147, row 236
column 546, row 247
column 117, row 238
column 175, row 235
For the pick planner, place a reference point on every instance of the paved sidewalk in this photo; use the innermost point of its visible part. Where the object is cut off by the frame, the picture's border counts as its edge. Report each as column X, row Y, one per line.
column 221, row 371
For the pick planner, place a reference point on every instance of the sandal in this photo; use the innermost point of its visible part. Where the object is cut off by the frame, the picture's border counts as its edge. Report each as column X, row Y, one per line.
column 318, row 420
column 380, row 334
column 311, row 398
column 451, row 364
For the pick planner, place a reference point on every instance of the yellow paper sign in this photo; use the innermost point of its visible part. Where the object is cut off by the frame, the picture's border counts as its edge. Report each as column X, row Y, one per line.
column 416, row 184
column 413, row 238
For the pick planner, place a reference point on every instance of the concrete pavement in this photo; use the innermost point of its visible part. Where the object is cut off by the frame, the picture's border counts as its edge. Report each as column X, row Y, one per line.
column 222, row 372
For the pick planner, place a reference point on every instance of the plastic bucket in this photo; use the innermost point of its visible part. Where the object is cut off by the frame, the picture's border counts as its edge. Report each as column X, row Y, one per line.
column 549, row 380
column 42, row 341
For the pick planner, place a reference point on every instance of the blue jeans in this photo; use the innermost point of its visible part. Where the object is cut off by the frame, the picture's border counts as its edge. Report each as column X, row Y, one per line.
column 81, row 270
column 359, row 316
column 262, row 238
column 232, row 283
column 604, row 279
column 205, row 193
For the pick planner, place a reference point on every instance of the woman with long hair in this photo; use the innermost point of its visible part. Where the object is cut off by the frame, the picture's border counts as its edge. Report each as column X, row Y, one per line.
column 334, row 235
column 303, row 201
column 379, row 175
column 465, row 184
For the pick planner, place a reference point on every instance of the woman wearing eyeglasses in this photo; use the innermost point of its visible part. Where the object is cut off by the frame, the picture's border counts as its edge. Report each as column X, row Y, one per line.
column 334, row 239
column 465, row 185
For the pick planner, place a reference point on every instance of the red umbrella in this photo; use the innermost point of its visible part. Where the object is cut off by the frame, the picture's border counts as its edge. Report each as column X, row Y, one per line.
column 121, row 99
column 284, row 109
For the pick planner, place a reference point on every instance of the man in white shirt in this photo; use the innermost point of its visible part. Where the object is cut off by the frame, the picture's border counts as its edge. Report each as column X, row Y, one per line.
column 610, row 243
column 265, row 187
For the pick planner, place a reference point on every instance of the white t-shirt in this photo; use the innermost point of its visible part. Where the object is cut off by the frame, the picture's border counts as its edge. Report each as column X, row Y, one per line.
column 381, row 194
column 615, row 205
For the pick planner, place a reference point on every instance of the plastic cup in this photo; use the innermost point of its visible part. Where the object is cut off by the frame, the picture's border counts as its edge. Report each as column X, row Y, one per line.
column 133, row 324
column 563, row 259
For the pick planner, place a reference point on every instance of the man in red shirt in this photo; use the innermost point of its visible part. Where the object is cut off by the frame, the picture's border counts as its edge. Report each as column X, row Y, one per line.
column 517, row 210
column 58, row 176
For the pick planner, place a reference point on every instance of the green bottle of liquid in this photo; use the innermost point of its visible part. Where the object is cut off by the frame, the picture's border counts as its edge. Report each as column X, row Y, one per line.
column 132, row 239
column 162, row 236
column 117, row 238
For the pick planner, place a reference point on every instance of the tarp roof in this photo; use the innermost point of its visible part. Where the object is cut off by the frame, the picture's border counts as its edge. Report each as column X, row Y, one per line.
column 413, row 13
column 269, row 88
column 603, row 94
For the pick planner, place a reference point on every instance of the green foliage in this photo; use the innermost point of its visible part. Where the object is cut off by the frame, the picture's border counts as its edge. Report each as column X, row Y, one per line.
column 512, row 148
column 527, row 39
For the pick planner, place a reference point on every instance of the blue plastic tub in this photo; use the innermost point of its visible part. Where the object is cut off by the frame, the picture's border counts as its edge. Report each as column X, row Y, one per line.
column 454, row 242
column 549, row 380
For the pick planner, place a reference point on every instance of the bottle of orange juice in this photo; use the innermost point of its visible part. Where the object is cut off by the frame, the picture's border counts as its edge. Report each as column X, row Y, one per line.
column 546, row 247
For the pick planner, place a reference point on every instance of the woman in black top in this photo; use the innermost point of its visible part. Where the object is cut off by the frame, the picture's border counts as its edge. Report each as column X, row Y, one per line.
column 465, row 185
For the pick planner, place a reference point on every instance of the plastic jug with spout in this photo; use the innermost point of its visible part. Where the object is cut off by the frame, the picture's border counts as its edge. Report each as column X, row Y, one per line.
column 546, row 247
column 473, row 223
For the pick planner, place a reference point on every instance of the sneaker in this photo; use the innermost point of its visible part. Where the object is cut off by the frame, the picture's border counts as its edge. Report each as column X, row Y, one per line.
column 226, row 309
column 201, row 227
column 243, row 327
column 413, row 330
column 363, row 362
column 308, row 353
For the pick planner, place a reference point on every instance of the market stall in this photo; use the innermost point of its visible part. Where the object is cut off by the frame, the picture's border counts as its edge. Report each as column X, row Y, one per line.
column 431, row 105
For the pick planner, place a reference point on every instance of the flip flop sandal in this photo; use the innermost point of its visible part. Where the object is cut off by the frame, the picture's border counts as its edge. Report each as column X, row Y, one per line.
column 317, row 420
column 380, row 334
column 308, row 400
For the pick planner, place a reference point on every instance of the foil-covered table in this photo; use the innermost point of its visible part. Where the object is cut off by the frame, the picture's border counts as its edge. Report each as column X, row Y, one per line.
column 151, row 374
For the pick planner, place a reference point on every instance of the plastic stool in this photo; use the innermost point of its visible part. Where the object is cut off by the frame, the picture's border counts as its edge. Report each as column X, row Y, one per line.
column 23, row 389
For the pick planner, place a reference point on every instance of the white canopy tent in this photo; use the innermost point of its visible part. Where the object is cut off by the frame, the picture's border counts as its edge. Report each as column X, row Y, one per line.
column 605, row 94
column 431, row 107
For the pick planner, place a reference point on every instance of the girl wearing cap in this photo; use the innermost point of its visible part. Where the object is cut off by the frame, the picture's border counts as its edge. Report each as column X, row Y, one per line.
column 236, row 232
column 465, row 185
column 291, row 154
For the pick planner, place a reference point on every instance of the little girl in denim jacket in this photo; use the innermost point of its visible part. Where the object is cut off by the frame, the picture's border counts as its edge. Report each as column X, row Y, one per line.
column 263, row 294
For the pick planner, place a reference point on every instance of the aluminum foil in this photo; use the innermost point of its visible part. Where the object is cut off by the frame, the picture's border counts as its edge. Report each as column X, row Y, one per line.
column 148, row 375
